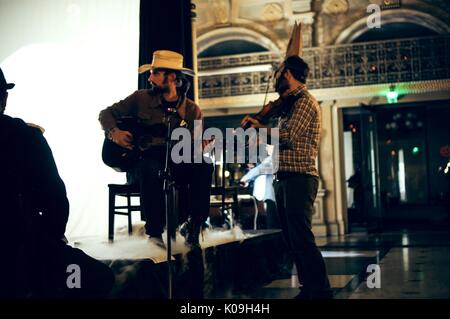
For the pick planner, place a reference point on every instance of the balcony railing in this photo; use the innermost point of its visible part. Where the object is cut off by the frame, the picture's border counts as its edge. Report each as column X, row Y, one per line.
column 392, row 61
column 229, row 61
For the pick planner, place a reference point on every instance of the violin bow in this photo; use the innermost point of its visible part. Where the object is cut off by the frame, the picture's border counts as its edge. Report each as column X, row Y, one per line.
column 294, row 47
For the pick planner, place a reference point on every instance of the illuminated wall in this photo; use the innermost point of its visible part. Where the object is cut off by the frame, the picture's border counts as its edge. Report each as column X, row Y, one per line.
column 69, row 60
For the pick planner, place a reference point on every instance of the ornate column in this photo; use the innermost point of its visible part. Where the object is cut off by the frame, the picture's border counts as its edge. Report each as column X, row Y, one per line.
column 318, row 24
column 301, row 12
column 319, row 222
column 326, row 220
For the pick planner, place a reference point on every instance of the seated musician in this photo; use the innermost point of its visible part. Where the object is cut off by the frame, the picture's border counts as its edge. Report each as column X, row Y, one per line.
column 167, row 79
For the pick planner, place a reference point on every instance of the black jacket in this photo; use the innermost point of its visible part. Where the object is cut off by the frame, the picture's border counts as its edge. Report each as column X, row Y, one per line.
column 32, row 194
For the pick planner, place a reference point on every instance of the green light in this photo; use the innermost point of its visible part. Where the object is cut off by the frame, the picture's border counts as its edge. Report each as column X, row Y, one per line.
column 392, row 96
column 415, row 150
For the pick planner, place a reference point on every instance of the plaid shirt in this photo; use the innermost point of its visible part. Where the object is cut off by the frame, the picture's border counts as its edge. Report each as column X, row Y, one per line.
column 300, row 134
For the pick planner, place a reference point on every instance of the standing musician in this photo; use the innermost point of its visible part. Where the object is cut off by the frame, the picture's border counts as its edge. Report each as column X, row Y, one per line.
column 297, row 179
column 167, row 80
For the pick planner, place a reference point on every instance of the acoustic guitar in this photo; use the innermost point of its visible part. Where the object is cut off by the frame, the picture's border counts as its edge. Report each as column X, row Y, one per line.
column 122, row 159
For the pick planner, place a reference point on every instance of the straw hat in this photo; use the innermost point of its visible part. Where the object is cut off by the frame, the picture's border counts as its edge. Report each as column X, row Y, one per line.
column 165, row 59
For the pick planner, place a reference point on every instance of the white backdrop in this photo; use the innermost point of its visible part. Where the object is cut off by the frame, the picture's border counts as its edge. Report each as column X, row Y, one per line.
column 69, row 60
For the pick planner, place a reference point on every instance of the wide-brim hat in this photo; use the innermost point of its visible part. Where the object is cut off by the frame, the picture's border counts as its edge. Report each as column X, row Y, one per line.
column 165, row 59
column 3, row 83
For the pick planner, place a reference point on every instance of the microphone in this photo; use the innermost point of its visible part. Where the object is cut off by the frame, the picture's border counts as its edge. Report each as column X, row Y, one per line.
column 183, row 86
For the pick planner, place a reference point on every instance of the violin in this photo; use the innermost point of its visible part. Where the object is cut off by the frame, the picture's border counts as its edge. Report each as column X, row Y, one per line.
column 271, row 109
column 276, row 108
column 279, row 107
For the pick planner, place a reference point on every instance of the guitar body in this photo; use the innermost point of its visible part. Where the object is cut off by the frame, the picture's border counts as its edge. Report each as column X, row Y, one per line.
column 117, row 157
column 122, row 159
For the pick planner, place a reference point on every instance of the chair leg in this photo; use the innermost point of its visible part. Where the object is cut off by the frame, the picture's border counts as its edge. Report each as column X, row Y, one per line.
column 235, row 214
column 111, row 204
column 255, row 220
column 143, row 218
column 130, row 226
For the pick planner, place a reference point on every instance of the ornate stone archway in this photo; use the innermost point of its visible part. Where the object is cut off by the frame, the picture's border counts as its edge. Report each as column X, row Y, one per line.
column 394, row 16
column 216, row 36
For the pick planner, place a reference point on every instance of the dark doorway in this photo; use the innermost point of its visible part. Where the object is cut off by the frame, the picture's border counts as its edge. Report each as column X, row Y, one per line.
column 396, row 160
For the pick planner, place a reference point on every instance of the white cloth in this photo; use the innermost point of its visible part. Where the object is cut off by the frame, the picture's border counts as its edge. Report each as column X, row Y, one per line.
column 262, row 175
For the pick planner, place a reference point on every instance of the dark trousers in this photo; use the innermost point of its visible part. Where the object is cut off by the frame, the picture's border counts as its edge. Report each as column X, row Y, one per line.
column 272, row 214
column 295, row 194
column 193, row 178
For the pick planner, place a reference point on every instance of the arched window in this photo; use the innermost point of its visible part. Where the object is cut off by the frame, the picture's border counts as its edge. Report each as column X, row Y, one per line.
column 395, row 24
column 234, row 40
column 397, row 30
column 230, row 47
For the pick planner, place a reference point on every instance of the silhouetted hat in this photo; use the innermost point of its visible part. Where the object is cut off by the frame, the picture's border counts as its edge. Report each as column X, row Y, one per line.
column 3, row 84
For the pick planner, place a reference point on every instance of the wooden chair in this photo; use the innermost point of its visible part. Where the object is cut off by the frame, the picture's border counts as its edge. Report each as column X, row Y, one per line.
column 122, row 190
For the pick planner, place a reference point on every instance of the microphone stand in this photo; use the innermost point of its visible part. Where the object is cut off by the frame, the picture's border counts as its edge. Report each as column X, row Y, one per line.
column 168, row 186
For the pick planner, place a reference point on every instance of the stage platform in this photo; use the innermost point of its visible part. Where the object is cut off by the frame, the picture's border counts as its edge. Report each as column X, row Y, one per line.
column 228, row 261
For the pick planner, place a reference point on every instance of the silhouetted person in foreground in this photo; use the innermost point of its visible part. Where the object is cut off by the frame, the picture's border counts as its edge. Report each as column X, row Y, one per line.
column 36, row 261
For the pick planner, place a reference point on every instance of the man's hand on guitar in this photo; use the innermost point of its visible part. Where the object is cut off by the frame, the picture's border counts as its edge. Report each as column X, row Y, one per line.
column 122, row 138
column 249, row 121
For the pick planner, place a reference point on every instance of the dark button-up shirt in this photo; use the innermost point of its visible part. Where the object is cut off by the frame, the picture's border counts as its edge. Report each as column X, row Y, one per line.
column 149, row 109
